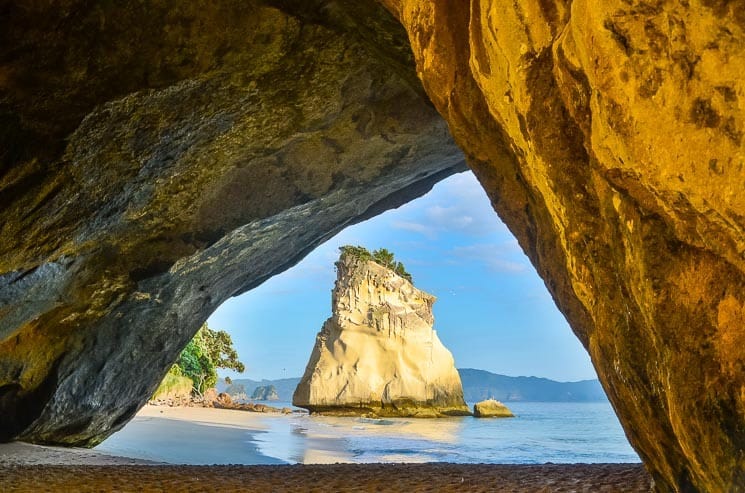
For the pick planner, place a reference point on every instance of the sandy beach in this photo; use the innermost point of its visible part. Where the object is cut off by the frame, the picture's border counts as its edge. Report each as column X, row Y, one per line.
column 25, row 467
column 214, row 436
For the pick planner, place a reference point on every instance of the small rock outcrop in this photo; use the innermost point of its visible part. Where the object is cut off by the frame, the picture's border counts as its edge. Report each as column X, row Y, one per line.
column 223, row 401
column 378, row 353
column 265, row 393
column 491, row 408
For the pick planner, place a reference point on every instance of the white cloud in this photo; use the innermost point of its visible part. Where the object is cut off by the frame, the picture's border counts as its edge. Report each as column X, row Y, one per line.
column 457, row 205
column 451, row 218
column 504, row 257
column 415, row 227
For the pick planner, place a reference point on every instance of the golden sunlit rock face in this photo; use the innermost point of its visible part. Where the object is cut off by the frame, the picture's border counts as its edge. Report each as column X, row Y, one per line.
column 378, row 354
column 609, row 137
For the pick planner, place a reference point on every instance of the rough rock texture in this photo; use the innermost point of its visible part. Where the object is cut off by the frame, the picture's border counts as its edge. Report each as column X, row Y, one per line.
column 378, row 353
column 223, row 401
column 491, row 408
column 609, row 136
column 157, row 158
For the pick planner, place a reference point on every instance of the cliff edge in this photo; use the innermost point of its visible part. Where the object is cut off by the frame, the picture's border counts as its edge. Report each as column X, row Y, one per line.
column 378, row 353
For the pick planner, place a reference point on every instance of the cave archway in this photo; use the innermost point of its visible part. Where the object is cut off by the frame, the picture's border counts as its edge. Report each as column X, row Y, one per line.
column 142, row 186
column 228, row 153
column 492, row 312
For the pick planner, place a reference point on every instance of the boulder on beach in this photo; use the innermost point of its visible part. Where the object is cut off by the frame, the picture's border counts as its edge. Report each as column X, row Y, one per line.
column 491, row 408
column 223, row 401
column 209, row 397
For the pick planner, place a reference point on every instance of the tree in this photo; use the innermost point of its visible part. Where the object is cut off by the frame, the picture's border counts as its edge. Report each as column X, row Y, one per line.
column 205, row 353
column 358, row 252
column 219, row 346
column 401, row 271
column 195, row 363
column 384, row 257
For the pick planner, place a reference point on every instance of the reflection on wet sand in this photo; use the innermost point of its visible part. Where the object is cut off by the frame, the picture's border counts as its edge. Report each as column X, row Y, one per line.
column 327, row 439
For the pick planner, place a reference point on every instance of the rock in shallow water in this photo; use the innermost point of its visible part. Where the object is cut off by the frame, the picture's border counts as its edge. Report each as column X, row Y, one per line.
column 378, row 353
column 491, row 408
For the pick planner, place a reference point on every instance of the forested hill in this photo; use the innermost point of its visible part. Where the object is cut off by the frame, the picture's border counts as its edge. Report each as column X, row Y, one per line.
column 477, row 385
column 480, row 384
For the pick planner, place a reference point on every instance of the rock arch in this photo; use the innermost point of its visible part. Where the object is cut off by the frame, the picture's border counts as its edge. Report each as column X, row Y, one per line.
column 155, row 161
column 145, row 184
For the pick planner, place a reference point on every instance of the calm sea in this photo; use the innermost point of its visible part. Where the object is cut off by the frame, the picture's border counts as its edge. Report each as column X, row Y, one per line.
column 540, row 433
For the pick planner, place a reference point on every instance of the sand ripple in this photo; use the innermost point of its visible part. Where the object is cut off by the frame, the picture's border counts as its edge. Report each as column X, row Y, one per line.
column 330, row 478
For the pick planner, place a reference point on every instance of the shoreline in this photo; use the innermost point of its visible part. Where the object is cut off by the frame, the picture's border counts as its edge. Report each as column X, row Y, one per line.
column 27, row 467
column 155, row 434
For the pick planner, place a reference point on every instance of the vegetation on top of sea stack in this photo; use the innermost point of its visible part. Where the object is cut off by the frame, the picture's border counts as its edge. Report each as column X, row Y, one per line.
column 205, row 353
column 381, row 256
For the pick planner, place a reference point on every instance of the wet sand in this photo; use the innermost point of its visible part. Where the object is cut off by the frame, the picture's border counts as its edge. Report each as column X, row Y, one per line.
column 191, row 435
column 330, row 478
column 25, row 454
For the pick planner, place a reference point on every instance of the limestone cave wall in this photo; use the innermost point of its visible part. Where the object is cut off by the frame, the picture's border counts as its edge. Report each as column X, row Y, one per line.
column 609, row 138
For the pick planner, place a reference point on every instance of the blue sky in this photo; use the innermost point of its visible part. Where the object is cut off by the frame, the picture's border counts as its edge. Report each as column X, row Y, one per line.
column 493, row 311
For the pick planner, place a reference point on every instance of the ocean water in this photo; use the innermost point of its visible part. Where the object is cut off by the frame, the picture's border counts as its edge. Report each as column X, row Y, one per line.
column 541, row 432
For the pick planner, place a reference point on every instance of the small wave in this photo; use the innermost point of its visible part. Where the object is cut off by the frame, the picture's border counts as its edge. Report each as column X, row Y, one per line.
column 377, row 421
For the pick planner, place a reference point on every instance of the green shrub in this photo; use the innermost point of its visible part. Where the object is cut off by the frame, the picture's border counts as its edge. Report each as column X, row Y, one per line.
column 173, row 385
column 200, row 359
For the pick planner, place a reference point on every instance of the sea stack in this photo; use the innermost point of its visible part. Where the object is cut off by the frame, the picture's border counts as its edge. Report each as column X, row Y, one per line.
column 378, row 354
